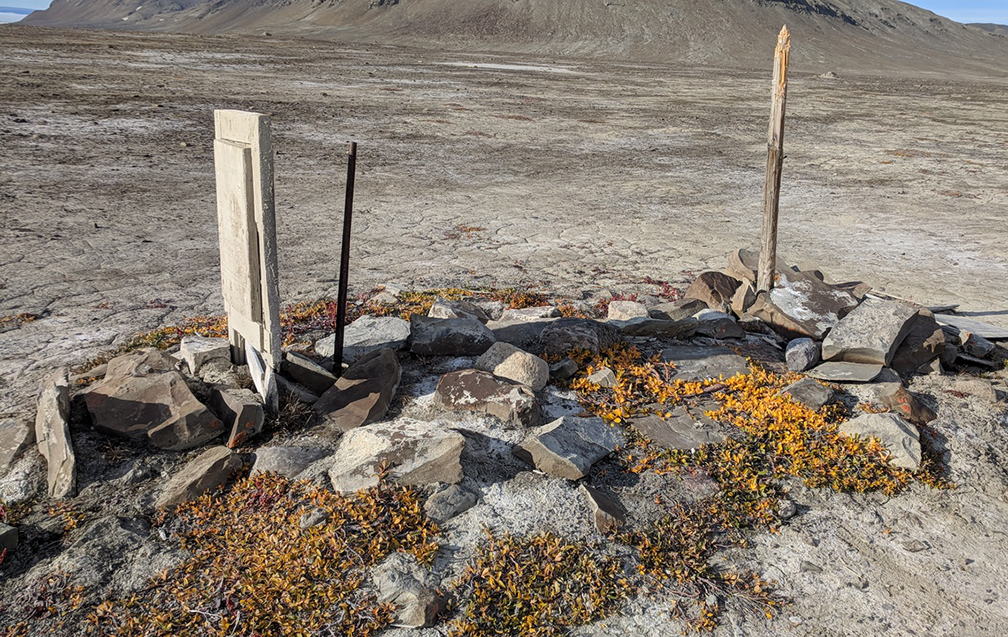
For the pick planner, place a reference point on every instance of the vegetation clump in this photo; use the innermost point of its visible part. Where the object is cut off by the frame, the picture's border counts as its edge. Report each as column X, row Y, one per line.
column 537, row 586
column 253, row 569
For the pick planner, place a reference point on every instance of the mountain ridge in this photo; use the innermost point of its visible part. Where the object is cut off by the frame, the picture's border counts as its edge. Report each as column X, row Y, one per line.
column 884, row 35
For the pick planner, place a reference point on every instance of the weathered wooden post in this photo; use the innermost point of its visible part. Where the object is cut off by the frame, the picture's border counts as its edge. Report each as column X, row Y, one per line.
column 775, row 162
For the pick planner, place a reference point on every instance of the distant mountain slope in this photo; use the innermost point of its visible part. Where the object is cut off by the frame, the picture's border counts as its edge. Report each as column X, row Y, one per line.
column 999, row 29
column 883, row 35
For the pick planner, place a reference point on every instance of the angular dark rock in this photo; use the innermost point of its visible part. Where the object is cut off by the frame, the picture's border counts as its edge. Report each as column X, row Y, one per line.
column 924, row 342
column 307, row 372
column 563, row 335
column 869, row 334
column 449, row 502
column 802, row 354
column 521, row 333
column 743, row 299
column 482, row 392
column 678, row 431
column 143, row 398
column 569, row 446
column 701, row 363
column 677, row 311
column 286, row 461
column 716, row 289
column 564, row 369
column 414, row 452
column 657, row 328
column 810, row 392
column 606, row 511
column 449, row 337
column 365, row 335
column 846, row 372
column 297, row 391
column 363, row 393
column 209, row 470
column 52, row 433
column 898, row 400
column 8, row 537
column 240, row 410
column 899, row 437
column 717, row 324
column 800, row 305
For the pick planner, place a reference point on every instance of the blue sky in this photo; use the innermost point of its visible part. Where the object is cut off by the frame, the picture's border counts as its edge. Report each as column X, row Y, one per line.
column 960, row 10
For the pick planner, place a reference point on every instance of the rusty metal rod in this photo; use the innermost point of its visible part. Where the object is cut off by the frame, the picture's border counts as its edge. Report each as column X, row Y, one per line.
column 344, row 275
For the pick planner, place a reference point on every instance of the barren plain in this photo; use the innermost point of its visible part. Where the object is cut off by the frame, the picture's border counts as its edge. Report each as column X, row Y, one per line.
column 564, row 175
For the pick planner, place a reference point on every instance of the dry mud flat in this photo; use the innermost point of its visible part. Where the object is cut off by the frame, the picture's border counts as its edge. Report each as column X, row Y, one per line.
column 567, row 175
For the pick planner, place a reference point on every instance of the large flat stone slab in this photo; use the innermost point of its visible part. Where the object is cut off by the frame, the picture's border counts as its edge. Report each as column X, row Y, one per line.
column 566, row 334
column 198, row 350
column 206, row 472
column 286, row 461
column 678, row 431
column 846, row 372
column 420, row 453
column 520, row 333
column 800, row 305
column 899, row 437
column 678, row 310
column 307, row 373
column 482, row 392
column 569, row 446
column 657, row 328
column 869, row 334
column 810, row 392
column 702, row 363
column 365, row 335
column 990, row 332
column 363, row 393
column 143, row 398
column 449, row 337
column 52, row 433
column 443, row 308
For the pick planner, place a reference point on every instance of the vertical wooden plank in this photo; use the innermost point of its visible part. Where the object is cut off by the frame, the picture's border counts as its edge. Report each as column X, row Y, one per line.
column 775, row 163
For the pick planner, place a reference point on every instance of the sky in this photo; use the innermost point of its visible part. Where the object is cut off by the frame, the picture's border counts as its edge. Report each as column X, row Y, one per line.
column 960, row 10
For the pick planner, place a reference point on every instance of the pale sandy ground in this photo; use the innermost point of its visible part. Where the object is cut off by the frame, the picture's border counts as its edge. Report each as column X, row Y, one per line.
column 578, row 175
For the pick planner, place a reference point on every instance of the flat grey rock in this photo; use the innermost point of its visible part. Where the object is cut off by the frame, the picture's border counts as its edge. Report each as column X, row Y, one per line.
column 677, row 311
column 985, row 330
column 679, row 431
column 723, row 327
column 307, row 372
column 449, row 502
column 52, row 433
column 899, row 437
column 197, row 350
column 566, row 334
column 604, row 377
column 286, row 461
column 657, row 328
column 520, row 333
column 482, row 392
column 15, row 437
column 800, row 305
column 413, row 590
column 870, row 333
column 449, row 337
column 564, row 369
column 530, row 314
column 209, row 470
column 443, row 308
column 846, row 372
column 626, row 310
column 702, row 363
column 415, row 452
column 569, row 446
column 810, row 392
column 365, row 335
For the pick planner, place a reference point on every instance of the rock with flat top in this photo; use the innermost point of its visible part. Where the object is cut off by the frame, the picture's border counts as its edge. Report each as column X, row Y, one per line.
column 414, row 452
column 445, row 309
column 810, row 392
column 717, row 324
column 198, row 350
column 52, row 433
column 482, row 392
column 209, row 470
column 677, row 311
column 143, row 398
column 657, row 328
column 564, row 369
column 363, row 393
column 286, row 461
column 530, row 313
column 241, row 411
column 566, row 334
column 15, row 437
column 307, row 373
column 523, row 334
column 449, row 502
column 846, row 372
column 604, row 377
column 800, row 305
column 365, row 335
column 899, row 437
column 626, row 310
column 569, row 446
column 677, row 430
column 449, row 337
column 507, row 361
column 716, row 289
column 869, row 334
column 702, row 363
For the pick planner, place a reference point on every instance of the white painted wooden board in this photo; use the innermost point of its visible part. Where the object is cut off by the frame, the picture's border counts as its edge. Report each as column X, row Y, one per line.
column 236, row 230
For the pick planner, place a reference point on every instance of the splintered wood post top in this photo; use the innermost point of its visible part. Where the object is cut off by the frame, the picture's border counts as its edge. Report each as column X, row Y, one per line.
column 775, row 163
